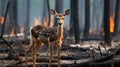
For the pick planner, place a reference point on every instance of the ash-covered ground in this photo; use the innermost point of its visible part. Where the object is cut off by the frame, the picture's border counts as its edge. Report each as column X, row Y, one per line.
column 70, row 53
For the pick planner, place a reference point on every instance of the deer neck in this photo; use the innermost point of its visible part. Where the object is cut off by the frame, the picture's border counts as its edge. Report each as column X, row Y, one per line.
column 60, row 31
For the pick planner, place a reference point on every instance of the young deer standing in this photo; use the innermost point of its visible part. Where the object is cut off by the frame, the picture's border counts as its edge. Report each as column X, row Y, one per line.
column 41, row 35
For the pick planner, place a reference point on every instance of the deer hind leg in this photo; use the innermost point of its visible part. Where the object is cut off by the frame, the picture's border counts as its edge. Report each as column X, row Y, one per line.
column 36, row 48
column 27, row 52
column 51, row 54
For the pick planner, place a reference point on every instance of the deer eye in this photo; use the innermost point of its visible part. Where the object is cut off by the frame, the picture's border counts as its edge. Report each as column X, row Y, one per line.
column 57, row 17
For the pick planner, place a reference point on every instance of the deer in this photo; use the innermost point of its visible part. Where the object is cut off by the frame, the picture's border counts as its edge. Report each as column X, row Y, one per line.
column 41, row 35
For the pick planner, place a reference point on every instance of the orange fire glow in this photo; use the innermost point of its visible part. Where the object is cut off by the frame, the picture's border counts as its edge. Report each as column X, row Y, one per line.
column 51, row 22
column 12, row 32
column 36, row 21
column 2, row 20
column 45, row 23
column 22, row 29
column 112, row 23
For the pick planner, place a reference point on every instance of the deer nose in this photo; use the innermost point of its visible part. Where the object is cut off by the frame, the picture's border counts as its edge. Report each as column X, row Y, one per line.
column 60, row 23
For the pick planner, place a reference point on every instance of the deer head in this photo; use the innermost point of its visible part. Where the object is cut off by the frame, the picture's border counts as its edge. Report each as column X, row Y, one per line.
column 60, row 16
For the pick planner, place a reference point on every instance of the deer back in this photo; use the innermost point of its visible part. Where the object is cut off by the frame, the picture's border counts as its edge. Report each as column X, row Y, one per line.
column 43, row 33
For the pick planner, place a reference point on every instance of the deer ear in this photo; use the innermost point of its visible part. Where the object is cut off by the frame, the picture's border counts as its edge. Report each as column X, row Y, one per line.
column 53, row 12
column 67, row 11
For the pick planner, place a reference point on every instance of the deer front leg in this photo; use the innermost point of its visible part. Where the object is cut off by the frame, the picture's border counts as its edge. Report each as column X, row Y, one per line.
column 35, row 47
column 26, row 59
column 34, row 55
column 59, row 55
column 51, row 54
column 27, row 53
column 58, row 48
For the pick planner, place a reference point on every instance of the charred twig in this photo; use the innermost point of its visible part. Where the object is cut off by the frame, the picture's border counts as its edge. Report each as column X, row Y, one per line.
column 11, row 49
column 102, row 45
column 2, row 32
column 112, row 60
column 92, row 50
column 100, row 50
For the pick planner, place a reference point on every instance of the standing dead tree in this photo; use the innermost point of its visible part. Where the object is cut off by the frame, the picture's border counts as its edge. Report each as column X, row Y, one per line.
column 46, row 7
column 107, row 36
column 49, row 16
column 76, row 21
column 116, row 21
column 87, row 19
column 27, row 22
column 12, row 26
column 2, row 32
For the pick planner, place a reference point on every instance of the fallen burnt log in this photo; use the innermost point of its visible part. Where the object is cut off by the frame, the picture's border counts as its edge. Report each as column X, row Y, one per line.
column 5, row 16
column 103, row 59
column 90, row 39
column 22, row 41
column 40, row 59
column 40, row 65
column 105, row 64
column 3, row 50
column 93, row 64
column 98, row 64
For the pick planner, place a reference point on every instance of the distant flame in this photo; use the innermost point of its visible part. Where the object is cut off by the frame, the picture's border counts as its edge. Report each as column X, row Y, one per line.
column 112, row 23
column 36, row 21
column 45, row 23
column 2, row 20
column 12, row 32
column 22, row 29
column 51, row 22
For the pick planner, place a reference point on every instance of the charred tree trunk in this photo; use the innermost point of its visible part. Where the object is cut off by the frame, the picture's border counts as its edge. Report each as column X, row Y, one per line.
column 76, row 20
column 87, row 19
column 27, row 23
column 71, row 33
column 116, row 21
column 58, row 8
column 16, row 26
column 49, row 15
column 13, row 26
column 3, row 7
column 11, row 18
column 107, row 36
column 46, row 11
column 3, row 26
column 44, row 15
